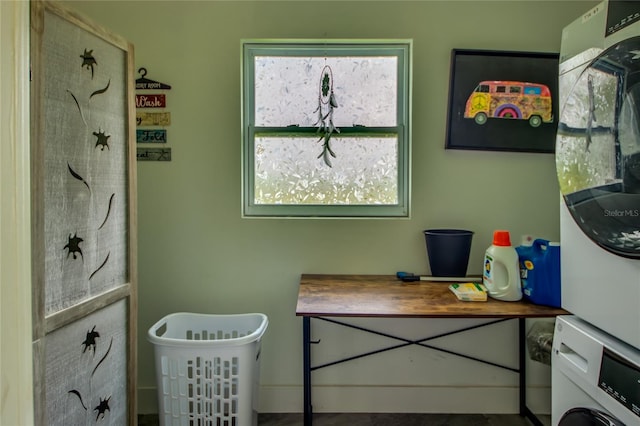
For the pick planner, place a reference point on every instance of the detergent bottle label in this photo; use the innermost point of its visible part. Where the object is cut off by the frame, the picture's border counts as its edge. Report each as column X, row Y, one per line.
column 487, row 276
column 526, row 269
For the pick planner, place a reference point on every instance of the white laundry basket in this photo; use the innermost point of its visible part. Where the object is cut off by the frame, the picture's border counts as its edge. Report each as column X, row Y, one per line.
column 208, row 368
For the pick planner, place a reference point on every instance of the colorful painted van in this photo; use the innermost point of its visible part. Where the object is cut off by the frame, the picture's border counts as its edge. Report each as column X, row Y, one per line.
column 510, row 99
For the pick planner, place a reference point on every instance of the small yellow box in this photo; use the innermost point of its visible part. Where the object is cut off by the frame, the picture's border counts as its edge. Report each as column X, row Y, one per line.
column 469, row 292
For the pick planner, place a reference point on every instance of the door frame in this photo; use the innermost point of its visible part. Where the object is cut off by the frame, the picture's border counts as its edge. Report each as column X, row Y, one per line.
column 16, row 366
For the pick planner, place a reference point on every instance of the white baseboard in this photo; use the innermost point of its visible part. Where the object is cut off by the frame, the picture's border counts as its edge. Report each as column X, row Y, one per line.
column 387, row 399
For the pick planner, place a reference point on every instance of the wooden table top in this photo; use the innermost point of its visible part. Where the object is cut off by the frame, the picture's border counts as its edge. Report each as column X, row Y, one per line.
column 387, row 296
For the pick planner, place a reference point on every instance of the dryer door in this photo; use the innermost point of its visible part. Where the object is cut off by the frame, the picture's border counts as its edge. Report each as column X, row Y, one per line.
column 588, row 417
column 598, row 149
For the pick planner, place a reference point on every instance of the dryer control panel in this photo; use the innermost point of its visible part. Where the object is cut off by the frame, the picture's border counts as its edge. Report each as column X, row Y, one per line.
column 620, row 379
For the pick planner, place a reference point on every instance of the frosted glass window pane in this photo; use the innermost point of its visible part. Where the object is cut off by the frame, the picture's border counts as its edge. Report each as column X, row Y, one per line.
column 286, row 90
column 287, row 171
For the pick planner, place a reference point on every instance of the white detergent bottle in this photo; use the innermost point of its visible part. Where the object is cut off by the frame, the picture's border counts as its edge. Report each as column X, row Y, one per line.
column 501, row 274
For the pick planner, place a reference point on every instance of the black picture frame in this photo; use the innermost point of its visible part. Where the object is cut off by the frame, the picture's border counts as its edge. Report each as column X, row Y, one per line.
column 468, row 69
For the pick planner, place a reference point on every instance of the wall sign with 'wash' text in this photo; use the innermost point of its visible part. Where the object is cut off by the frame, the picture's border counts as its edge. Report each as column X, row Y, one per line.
column 151, row 101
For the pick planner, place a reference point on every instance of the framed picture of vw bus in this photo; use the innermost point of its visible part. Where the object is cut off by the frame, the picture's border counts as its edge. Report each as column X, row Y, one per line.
column 503, row 101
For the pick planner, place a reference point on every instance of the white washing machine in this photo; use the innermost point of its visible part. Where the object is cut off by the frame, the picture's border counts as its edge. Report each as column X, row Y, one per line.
column 595, row 378
column 598, row 166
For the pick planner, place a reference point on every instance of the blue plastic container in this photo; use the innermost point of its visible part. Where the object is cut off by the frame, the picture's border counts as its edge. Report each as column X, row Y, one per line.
column 540, row 272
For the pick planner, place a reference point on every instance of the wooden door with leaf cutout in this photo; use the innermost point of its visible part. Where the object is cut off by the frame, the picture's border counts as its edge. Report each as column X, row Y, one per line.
column 83, row 221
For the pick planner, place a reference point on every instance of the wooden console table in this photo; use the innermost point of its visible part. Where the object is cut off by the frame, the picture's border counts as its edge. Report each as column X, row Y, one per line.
column 384, row 296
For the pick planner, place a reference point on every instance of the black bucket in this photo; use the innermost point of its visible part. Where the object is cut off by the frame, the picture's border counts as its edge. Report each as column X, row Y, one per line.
column 448, row 251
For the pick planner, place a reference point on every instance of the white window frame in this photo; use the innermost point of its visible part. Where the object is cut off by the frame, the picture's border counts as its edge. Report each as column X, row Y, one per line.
column 402, row 50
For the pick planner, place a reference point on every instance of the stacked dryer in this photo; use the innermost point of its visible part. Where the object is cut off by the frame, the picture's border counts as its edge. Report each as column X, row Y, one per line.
column 596, row 352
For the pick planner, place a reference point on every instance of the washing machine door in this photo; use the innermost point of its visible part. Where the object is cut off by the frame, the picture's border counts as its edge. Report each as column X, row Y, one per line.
column 598, row 149
column 588, row 417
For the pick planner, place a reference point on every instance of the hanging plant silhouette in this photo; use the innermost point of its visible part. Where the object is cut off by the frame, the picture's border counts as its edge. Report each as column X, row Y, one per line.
column 90, row 346
column 326, row 104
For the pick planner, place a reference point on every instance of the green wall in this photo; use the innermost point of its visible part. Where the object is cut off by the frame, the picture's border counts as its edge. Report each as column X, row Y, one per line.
column 197, row 254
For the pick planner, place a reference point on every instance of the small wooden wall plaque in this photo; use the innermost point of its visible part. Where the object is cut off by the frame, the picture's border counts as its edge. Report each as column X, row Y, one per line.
column 151, row 136
column 153, row 118
column 153, row 154
column 144, row 83
column 151, row 101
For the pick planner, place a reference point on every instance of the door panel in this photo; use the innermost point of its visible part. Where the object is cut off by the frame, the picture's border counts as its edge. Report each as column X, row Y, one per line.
column 83, row 220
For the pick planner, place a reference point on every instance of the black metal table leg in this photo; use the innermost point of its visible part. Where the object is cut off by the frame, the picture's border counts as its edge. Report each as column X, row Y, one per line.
column 522, row 361
column 522, row 357
column 306, row 361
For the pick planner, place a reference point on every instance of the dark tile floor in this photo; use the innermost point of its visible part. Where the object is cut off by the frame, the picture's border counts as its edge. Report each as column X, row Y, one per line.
column 363, row 419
